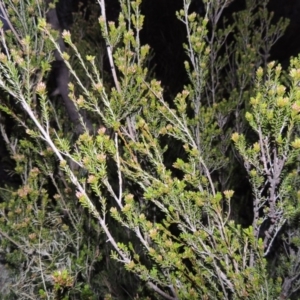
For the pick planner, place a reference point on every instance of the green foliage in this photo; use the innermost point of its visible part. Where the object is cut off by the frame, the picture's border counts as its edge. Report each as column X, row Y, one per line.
column 172, row 224
column 271, row 160
column 43, row 239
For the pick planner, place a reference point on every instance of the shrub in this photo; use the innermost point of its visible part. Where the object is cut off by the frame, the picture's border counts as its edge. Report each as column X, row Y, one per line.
column 172, row 222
